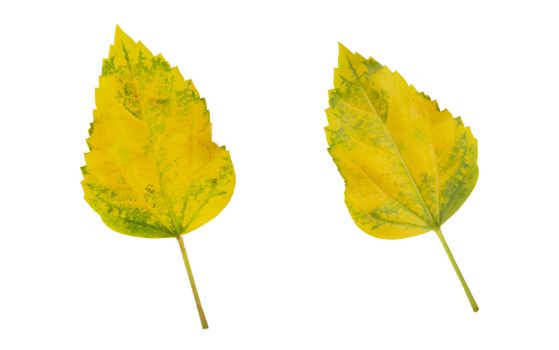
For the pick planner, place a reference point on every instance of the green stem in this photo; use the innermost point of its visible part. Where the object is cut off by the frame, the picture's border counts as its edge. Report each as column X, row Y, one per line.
column 457, row 270
column 193, row 284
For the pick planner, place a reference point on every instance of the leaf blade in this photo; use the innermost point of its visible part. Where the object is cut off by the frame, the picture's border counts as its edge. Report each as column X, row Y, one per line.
column 401, row 140
column 153, row 170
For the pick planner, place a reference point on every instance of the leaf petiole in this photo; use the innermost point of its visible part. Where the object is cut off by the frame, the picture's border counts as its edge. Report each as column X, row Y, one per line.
column 192, row 284
column 456, row 269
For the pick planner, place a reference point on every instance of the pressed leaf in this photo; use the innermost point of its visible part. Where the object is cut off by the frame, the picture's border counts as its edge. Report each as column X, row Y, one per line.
column 153, row 170
column 407, row 165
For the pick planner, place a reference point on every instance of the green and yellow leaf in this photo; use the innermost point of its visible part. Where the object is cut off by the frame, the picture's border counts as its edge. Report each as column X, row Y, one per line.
column 407, row 165
column 153, row 169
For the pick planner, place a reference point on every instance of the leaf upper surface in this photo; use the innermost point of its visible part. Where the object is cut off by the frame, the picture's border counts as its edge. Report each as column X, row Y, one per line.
column 407, row 165
column 152, row 170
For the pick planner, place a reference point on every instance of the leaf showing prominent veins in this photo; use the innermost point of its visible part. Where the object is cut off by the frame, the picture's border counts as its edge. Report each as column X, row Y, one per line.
column 407, row 165
column 152, row 170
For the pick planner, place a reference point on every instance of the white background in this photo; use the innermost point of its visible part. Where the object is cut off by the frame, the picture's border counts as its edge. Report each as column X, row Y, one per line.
column 283, row 266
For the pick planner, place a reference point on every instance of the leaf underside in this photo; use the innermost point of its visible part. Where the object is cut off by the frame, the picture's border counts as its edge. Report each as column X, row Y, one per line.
column 407, row 165
column 152, row 170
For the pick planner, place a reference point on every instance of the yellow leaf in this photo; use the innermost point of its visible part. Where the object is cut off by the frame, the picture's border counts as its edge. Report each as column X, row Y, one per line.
column 407, row 165
column 153, row 170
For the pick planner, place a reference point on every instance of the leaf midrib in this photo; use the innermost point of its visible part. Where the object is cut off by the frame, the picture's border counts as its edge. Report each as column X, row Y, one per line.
column 393, row 144
column 170, row 212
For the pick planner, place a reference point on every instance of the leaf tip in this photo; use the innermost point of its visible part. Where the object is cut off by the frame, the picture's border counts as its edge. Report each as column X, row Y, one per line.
column 121, row 36
column 118, row 32
column 345, row 56
column 342, row 49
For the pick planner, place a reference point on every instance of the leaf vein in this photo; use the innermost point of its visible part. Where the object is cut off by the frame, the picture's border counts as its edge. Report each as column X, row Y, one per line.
column 397, row 150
